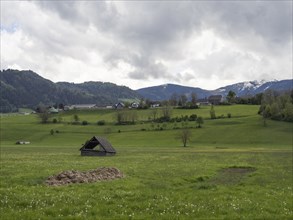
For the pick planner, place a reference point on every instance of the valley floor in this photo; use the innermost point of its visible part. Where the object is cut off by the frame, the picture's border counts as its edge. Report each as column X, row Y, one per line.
column 232, row 168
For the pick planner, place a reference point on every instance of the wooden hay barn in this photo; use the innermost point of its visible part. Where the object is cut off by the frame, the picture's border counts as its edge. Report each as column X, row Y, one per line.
column 105, row 148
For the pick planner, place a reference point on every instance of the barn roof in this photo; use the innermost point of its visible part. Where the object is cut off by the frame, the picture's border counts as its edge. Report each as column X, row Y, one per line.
column 215, row 97
column 95, row 141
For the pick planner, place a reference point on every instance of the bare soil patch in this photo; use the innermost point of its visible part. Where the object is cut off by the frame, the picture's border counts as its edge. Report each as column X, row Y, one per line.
column 73, row 176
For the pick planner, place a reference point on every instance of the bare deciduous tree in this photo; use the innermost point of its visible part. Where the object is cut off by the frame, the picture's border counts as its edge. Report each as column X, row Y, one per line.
column 154, row 113
column 167, row 112
column 185, row 136
column 199, row 121
column 44, row 114
column 193, row 99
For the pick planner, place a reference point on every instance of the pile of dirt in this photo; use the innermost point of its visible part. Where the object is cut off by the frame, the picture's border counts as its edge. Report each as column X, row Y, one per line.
column 72, row 176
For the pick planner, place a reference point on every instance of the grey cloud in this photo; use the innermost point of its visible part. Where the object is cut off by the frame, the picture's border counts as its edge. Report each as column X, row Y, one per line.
column 102, row 14
column 159, row 30
column 155, row 25
column 148, row 69
column 269, row 20
column 143, row 33
column 152, row 31
column 155, row 28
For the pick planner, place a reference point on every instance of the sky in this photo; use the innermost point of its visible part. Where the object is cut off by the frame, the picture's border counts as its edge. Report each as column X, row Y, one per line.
column 206, row 44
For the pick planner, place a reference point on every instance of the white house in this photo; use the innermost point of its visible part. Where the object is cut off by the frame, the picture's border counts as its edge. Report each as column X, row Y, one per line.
column 134, row 105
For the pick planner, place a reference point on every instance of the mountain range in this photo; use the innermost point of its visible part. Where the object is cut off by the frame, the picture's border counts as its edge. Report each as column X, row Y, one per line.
column 242, row 89
column 28, row 89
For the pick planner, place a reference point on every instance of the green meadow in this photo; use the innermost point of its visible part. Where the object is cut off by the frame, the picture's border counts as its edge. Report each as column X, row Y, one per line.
column 232, row 168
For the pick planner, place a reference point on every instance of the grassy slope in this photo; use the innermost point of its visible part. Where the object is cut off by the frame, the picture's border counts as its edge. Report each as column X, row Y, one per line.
column 244, row 129
column 163, row 180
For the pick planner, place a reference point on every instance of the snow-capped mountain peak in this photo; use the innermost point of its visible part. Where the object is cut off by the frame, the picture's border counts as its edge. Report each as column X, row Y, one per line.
column 248, row 88
column 254, row 87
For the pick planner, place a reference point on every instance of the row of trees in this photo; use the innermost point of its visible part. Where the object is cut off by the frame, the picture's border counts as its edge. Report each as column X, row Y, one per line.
column 182, row 100
column 277, row 106
column 160, row 115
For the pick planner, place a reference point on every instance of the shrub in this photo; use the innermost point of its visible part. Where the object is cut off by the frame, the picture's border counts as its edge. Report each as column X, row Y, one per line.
column 199, row 121
column 229, row 115
column 84, row 123
column 163, row 119
column 193, row 117
column 213, row 113
column 55, row 121
column 101, row 122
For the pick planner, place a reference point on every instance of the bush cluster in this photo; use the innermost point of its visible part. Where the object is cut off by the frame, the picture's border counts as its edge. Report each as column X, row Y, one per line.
column 277, row 107
column 101, row 122
column 183, row 118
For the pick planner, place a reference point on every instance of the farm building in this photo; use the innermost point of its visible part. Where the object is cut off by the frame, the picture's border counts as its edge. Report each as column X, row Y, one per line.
column 215, row 99
column 105, row 148
column 134, row 105
column 119, row 105
column 203, row 101
column 83, row 106
column 22, row 142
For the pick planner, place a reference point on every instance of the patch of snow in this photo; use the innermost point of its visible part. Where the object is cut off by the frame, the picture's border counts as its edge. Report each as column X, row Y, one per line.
column 266, row 88
column 247, row 85
column 165, row 86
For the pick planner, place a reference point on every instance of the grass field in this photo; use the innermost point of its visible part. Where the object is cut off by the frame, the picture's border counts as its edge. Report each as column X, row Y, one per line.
column 163, row 180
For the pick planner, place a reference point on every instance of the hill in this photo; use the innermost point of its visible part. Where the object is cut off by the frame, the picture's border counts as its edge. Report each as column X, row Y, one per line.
column 164, row 92
column 28, row 89
column 256, row 87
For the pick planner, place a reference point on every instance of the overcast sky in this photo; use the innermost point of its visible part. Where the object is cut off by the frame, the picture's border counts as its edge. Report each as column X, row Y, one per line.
column 204, row 44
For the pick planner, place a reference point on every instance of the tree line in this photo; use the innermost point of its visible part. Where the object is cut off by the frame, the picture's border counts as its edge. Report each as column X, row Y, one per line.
column 277, row 106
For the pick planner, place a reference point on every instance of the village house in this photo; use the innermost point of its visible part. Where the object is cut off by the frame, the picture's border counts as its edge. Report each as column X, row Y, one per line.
column 134, row 105
column 156, row 105
column 53, row 110
column 203, row 101
column 215, row 99
column 119, row 105
column 83, row 106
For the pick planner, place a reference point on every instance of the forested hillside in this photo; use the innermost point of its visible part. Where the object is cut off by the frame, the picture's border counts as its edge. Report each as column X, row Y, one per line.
column 28, row 89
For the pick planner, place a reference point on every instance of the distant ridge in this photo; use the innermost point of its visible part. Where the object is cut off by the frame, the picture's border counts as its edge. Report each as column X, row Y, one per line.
column 28, row 89
column 163, row 92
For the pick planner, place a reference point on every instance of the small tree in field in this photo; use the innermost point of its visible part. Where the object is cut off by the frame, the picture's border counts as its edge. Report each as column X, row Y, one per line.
column 76, row 118
column 52, row 132
column 167, row 112
column 266, row 114
column 212, row 112
column 193, row 99
column 231, row 97
column 43, row 114
column 154, row 113
column 199, row 122
column 185, row 136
